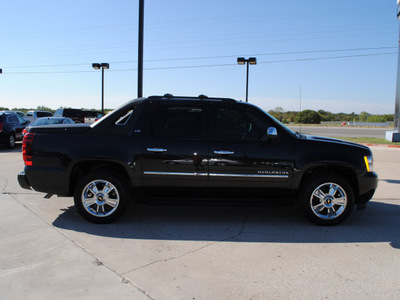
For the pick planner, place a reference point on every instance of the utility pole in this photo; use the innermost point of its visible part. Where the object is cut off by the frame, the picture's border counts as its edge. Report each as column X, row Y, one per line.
column 394, row 136
column 140, row 49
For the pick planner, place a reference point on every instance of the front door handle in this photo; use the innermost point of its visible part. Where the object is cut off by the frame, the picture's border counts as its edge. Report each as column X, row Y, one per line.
column 156, row 150
column 223, row 152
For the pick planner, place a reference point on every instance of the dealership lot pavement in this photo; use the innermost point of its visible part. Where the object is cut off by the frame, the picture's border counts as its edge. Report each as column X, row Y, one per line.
column 157, row 252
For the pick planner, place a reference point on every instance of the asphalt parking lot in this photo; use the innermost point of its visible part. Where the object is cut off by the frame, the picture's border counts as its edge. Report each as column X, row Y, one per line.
column 158, row 252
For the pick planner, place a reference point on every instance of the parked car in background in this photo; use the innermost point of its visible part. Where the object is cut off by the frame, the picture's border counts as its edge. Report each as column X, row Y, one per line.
column 74, row 113
column 20, row 113
column 32, row 115
column 92, row 116
column 48, row 121
column 11, row 126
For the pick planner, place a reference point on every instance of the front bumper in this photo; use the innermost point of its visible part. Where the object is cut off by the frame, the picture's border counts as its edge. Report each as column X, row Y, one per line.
column 23, row 181
column 368, row 183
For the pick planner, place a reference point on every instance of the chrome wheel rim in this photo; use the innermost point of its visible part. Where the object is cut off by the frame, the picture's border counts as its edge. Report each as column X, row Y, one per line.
column 100, row 198
column 328, row 201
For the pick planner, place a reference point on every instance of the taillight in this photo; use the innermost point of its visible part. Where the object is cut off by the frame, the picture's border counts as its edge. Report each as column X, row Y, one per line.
column 1, row 126
column 24, row 131
column 27, row 148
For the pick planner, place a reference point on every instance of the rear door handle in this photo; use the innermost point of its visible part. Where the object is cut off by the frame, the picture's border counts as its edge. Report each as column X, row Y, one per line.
column 156, row 150
column 223, row 152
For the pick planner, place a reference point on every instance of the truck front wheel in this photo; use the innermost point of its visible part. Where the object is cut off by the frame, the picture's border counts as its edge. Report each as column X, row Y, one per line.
column 327, row 199
column 101, row 197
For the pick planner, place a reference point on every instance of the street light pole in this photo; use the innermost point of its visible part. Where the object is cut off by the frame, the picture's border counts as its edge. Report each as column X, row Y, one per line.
column 251, row 61
column 101, row 66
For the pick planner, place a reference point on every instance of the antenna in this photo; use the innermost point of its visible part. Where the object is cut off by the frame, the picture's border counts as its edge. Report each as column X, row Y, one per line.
column 300, row 108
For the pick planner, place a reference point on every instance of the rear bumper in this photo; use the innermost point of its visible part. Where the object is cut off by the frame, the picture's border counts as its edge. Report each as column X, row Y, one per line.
column 45, row 180
column 23, row 181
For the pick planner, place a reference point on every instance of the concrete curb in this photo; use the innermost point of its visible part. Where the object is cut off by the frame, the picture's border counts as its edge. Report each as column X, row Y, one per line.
column 380, row 145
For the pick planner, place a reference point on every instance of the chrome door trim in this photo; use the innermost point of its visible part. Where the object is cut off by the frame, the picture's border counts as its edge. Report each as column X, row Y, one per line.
column 215, row 174
column 157, row 150
column 174, row 173
column 248, row 175
column 223, row 152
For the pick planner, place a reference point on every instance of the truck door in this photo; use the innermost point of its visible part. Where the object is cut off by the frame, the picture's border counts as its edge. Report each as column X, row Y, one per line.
column 240, row 153
column 175, row 151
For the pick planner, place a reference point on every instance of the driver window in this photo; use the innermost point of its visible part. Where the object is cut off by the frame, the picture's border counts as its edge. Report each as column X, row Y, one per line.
column 239, row 124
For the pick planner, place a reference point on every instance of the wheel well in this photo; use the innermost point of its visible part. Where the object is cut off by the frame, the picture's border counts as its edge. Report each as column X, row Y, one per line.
column 344, row 172
column 84, row 168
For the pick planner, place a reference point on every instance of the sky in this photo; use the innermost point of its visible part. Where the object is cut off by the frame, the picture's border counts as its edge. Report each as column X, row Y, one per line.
column 339, row 56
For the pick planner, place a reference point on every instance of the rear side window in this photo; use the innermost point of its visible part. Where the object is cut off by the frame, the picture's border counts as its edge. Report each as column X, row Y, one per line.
column 181, row 122
column 73, row 113
column 124, row 119
column 12, row 119
column 41, row 114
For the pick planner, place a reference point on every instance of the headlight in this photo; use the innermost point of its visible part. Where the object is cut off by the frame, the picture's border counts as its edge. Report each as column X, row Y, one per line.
column 369, row 162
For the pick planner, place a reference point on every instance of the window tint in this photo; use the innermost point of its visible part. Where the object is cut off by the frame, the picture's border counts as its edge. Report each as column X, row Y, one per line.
column 241, row 124
column 12, row 119
column 73, row 112
column 124, row 119
column 183, row 122
column 41, row 114
column 21, row 119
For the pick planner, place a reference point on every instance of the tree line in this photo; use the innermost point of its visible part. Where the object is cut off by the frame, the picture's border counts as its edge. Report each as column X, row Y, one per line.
column 316, row 117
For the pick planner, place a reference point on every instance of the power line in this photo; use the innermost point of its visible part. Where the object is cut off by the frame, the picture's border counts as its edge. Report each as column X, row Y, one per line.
column 210, row 57
column 214, row 65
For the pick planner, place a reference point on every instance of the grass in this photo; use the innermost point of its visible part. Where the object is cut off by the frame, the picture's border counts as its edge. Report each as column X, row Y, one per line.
column 368, row 140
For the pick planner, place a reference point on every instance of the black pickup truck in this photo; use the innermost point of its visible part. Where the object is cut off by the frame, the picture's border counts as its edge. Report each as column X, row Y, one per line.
column 195, row 146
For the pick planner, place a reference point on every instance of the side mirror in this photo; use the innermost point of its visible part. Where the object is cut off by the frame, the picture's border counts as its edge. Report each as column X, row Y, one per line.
column 272, row 133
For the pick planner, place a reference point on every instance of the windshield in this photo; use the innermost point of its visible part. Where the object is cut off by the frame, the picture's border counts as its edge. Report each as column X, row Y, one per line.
column 46, row 121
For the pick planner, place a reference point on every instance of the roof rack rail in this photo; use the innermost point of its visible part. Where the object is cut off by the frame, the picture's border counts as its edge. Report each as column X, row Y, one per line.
column 200, row 97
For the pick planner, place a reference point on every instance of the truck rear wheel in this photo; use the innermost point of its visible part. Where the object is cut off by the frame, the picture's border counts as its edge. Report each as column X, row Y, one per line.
column 101, row 197
column 327, row 199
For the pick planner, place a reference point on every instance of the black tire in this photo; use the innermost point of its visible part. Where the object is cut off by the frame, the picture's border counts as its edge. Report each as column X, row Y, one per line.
column 11, row 141
column 101, row 197
column 327, row 199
